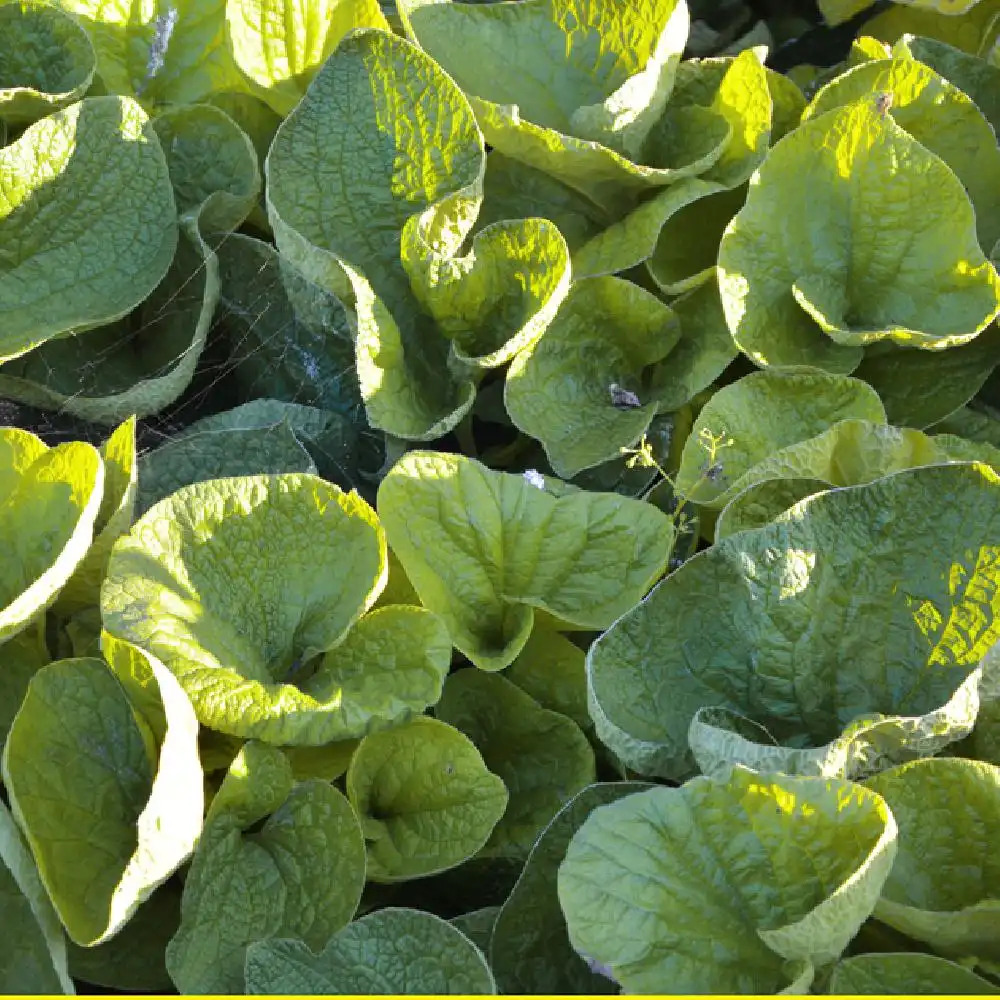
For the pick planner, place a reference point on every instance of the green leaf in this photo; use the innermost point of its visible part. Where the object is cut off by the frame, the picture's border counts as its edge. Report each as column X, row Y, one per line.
column 18, row 449
column 838, row 11
column 692, row 212
column 607, row 334
column 971, row 32
column 327, row 762
column 118, row 454
column 976, row 77
column 634, row 238
column 864, row 49
column 398, row 589
column 33, row 947
column 958, row 449
column 425, row 797
column 570, row 87
column 760, row 414
column 135, row 366
column 213, row 166
column 142, row 363
column 21, row 657
column 734, row 91
column 390, row 666
column 830, row 616
column 328, row 437
column 973, row 424
column 484, row 549
column 347, row 237
column 105, row 823
column 627, row 90
column 49, row 507
column 242, row 643
column 46, row 64
column 807, row 280
column 622, row 475
column 718, row 883
column 477, row 926
column 259, row 123
column 688, row 243
column 78, row 262
column 919, row 388
column 133, row 960
column 788, row 103
column 274, row 346
column 530, row 949
column 499, row 298
column 849, row 453
column 79, row 635
column 543, row 757
column 194, row 458
column 394, row 950
column 720, row 737
column 944, row 888
column 513, row 189
column 301, row 875
column 167, row 59
column 704, row 351
column 906, row 973
column 551, row 670
column 939, row 116
column 113, row 519
column 762, row 502
column 279, row 47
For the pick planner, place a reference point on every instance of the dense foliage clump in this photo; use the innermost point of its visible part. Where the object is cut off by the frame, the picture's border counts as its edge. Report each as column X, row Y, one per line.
column 499, row 497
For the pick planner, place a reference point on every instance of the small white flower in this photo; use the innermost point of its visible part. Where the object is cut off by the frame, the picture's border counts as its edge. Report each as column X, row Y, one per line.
column 534, row 478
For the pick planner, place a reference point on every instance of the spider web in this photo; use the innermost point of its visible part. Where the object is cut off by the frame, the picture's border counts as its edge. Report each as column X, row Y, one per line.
column 257, row 347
